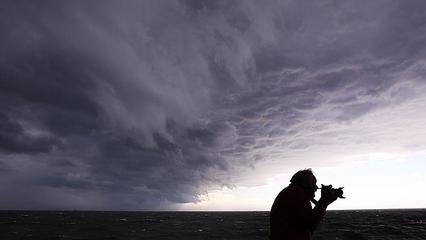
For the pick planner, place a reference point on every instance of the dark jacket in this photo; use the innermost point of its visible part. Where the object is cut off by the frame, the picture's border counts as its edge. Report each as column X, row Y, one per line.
column 292, row 216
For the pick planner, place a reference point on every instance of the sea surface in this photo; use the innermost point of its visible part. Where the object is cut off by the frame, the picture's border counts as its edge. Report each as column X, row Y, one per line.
column 359, row 225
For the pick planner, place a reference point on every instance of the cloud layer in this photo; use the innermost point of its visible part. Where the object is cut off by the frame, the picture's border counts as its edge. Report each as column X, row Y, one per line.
column 145, row 104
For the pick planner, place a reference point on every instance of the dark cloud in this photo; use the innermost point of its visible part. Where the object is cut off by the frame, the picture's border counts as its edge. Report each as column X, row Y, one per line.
column 142, row 105
column 13, row 139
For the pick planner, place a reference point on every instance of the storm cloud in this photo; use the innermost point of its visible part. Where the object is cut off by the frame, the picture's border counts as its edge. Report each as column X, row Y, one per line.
column 148, row 104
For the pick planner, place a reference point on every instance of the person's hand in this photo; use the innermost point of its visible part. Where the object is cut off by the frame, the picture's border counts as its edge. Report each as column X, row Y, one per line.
column 327, row 194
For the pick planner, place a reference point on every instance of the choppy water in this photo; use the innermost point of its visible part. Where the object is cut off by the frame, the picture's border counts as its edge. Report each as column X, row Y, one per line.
column 337, row 225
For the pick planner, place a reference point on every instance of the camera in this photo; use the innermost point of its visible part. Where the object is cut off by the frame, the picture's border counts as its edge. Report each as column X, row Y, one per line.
column 338, row 192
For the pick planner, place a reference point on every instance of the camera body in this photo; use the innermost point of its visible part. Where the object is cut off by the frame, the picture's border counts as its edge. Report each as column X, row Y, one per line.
column 338, row 192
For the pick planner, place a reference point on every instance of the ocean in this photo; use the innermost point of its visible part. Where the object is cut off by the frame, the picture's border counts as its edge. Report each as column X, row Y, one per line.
column 337, row 225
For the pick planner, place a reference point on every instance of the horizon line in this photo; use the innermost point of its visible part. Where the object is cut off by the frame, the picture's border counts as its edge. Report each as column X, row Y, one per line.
column 76, row 210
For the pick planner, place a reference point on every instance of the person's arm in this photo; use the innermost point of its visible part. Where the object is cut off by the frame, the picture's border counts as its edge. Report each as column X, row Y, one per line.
column 317, row 215
column 303, row 217
column 327, row 197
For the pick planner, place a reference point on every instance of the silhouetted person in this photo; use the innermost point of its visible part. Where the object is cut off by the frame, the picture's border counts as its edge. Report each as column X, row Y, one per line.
column 292, row 216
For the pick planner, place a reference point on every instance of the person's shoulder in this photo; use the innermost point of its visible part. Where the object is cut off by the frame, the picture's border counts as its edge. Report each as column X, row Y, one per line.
column 292, row 192
column 287, row 198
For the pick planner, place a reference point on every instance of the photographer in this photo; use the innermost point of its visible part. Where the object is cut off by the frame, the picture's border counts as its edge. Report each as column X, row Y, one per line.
column 292, row 216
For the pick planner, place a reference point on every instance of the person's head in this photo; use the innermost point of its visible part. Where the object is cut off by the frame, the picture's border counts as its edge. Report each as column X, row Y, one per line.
column 306, row 180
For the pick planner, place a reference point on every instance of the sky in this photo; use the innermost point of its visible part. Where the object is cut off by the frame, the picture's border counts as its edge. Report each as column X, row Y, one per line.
column 210, row 105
